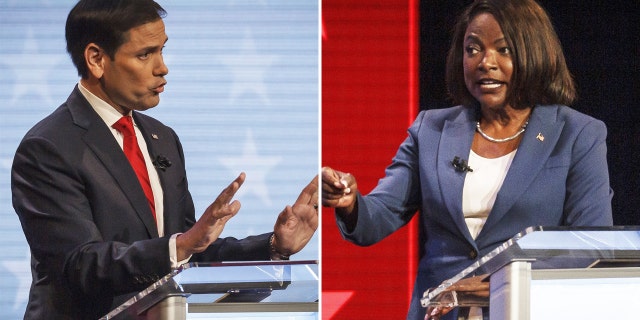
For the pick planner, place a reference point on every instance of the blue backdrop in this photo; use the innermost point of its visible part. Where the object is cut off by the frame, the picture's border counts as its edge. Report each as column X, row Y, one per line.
column 242, row 94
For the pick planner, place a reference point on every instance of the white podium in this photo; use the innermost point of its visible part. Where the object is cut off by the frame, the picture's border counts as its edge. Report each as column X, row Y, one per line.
column 265, row 290
column 552, row 273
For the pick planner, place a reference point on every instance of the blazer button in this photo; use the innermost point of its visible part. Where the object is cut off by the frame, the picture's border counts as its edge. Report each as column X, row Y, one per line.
column 473, row 254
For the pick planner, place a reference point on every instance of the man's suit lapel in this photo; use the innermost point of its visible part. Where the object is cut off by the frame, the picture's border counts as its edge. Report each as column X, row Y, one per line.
column 156, row 142
column 540, row 138
column 456, row 139
column 100, row 140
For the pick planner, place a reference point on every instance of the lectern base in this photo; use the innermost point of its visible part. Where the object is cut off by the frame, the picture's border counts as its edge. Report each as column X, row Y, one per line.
column 171, row 308
column 520, row 293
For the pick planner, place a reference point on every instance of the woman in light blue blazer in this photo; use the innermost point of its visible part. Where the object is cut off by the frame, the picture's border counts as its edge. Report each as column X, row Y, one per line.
column 511, row 155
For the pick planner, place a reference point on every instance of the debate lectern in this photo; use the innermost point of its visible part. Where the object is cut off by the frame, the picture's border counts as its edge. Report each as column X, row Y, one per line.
column 265, row 290
column 552, row 273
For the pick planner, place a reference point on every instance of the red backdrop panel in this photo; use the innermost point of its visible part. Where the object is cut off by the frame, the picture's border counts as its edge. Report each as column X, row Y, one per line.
column 368, row 100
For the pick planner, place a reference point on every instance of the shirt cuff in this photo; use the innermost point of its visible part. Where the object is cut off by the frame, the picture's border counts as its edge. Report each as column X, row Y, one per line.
column 173, row 252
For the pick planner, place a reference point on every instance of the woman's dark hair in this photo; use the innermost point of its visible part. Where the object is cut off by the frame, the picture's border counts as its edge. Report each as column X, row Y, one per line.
column 105, row 23
column 540, row 74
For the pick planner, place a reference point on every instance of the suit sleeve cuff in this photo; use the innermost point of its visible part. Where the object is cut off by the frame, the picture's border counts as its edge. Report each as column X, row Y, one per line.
column 173, row 252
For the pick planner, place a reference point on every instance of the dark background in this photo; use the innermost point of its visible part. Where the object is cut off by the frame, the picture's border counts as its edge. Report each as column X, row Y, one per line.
column 601, row 42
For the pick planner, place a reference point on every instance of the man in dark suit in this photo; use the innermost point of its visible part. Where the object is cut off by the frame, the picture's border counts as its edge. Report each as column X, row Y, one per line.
column 101, row 228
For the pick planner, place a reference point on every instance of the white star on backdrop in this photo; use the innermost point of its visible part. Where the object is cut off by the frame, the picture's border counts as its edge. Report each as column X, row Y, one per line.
column 255, row 166
column 248, row 69
column 22, row 271
column 31, row 70
column 6, row 163
column 333, row 301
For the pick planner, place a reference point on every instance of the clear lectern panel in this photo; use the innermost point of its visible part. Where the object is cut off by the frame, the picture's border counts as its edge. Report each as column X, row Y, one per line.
column 543, row 248
column 285, row 286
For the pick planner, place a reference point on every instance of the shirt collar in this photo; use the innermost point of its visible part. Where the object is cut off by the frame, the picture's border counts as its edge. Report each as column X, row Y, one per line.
column 108, row 114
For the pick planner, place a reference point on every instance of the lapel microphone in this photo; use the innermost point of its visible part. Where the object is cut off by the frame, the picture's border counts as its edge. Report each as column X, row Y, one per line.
column 161, row 162
column 460, row 165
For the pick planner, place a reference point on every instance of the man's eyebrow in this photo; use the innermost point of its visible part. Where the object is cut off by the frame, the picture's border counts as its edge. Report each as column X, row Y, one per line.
column 154, row 47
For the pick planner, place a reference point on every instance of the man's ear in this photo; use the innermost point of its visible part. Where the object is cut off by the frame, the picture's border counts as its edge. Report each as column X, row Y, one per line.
column 95, row 58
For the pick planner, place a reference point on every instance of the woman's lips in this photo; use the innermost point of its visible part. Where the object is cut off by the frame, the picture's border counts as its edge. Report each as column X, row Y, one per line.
column 490, row 84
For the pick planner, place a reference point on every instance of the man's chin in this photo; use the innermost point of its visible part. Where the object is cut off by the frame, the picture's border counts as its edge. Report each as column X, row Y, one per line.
column 147, row 105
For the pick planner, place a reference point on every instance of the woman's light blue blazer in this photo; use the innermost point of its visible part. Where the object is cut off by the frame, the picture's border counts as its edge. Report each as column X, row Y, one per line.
column 559, row 177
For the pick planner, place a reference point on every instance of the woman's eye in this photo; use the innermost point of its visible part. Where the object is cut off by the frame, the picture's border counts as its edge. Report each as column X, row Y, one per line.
column 471, row 50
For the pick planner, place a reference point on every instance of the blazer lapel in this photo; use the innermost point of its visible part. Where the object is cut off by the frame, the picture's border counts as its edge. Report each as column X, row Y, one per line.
column 155, row 143
column 540, row 138
column 100, row 140
column 456, row 139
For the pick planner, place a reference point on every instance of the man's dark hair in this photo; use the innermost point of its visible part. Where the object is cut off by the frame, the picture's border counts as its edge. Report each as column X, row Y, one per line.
column 540, row 73
column 105, row 23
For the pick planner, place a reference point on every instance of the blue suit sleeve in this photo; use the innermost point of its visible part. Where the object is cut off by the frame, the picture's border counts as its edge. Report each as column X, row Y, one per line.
column 588, row 198
column 394, row 201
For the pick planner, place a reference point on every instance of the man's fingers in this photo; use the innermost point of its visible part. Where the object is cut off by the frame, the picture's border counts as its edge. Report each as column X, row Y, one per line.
column 225, row 211
column 235, row 184
column 313, row 220
column 298, row 215
column 309, row 193
column 283, row 217
column 233, row 208
column 223, row 206
column 227, row 194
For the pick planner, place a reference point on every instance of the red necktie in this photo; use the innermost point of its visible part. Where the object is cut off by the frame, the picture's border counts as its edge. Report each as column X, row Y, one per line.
column 133, row 153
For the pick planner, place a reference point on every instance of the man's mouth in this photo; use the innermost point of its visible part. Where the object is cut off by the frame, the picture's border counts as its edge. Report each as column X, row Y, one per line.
column 159, row 89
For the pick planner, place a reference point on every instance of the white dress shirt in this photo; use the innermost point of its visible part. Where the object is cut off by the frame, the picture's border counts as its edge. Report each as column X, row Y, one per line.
column 110, row 116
